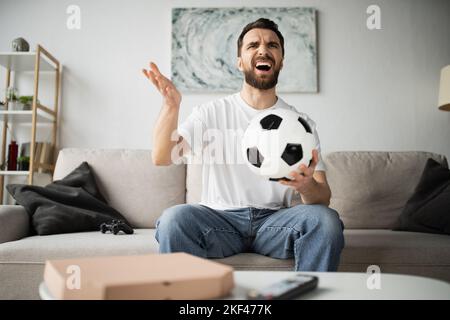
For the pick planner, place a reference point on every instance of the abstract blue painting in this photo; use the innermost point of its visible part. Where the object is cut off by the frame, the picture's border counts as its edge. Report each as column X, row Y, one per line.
column 204, row 47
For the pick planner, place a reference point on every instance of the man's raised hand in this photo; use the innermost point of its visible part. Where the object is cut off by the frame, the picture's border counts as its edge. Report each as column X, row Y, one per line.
column 171, row 95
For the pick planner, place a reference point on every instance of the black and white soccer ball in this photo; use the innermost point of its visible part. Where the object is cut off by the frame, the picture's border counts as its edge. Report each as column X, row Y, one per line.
column 276, row 142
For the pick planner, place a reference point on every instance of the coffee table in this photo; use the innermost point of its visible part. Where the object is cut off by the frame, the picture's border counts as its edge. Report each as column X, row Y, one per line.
column 338, row 286
column 349, row 286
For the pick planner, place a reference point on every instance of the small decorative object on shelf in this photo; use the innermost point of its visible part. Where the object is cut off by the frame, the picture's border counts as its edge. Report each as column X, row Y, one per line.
column 26, row 102
column 23, row 163
column 20, row 44
column 11, row 94
column 13, row 150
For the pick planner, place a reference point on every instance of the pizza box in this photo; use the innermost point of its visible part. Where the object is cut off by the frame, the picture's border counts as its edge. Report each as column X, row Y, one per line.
column 153, row 276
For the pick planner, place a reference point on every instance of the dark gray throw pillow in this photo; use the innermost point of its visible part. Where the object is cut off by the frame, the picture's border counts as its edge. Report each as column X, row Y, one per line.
column 72, row 204
column 428, row 209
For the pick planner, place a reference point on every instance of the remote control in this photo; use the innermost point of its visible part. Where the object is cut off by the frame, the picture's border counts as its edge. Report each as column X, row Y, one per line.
column 286, row 289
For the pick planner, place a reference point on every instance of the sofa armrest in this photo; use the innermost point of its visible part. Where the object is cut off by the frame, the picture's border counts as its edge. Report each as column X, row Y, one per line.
column 14, row 223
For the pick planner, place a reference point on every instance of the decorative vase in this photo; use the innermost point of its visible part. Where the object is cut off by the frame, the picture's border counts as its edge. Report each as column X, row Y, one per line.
column 13, row 150
column 20, row 44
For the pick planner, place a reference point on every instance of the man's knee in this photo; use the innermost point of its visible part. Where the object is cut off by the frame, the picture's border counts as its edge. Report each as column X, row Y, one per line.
column 177, row 230
column 175, row 217
column 330, row 225
column 325, row 223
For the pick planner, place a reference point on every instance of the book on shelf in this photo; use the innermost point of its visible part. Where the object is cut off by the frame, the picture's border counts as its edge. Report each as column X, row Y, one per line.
column 45, row 158
column 37, row 152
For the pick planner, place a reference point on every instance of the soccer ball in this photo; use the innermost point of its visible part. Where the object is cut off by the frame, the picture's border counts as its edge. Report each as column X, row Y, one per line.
column 277, row 142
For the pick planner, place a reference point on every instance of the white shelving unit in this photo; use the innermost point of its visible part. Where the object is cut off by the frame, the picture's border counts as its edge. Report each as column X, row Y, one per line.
column 35, row 62
column 14, row 173
column 25, row 61
column 25, row 116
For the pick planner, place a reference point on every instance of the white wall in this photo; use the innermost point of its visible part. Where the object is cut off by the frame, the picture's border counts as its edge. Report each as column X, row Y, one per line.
column 378, row 89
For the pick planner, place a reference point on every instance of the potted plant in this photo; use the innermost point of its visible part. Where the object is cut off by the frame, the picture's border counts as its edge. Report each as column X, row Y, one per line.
column 12, row 97
column 23, row 163
column 26, row 101
column 11, row 94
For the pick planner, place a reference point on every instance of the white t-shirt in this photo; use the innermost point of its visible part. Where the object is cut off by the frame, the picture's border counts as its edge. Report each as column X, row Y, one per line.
column 214, row 132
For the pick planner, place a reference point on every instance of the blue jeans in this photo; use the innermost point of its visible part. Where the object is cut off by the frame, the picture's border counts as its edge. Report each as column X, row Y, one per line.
column 311, row 234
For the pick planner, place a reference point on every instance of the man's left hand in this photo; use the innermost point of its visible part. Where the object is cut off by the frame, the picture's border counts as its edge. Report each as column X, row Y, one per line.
column 301, row 181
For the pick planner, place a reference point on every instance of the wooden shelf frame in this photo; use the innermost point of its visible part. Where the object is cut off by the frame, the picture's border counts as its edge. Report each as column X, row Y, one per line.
column 41, row 52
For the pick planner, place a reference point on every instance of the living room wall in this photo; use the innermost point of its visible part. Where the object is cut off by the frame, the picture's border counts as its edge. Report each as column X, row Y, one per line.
column 378, row 88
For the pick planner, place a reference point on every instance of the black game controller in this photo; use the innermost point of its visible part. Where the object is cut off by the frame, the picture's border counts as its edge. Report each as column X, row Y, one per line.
column 115, row 226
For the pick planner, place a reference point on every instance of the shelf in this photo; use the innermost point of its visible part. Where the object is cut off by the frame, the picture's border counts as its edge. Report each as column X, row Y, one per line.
column 24, row 61
column 24, row 116
column 23, row 173
column 13, row 173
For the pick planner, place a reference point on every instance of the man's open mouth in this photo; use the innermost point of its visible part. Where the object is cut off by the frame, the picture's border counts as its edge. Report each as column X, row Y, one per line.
column 263, row 66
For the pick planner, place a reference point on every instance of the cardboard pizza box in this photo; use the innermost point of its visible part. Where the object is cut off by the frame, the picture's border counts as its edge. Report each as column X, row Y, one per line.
column 152, row 276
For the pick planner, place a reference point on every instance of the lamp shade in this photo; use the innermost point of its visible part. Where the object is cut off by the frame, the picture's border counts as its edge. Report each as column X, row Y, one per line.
column 444, row 89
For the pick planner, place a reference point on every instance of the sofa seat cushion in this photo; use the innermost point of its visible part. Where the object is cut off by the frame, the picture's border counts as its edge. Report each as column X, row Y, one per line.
column 369, row 247
column 37, row 249
column 254, row 261
column 361, row 247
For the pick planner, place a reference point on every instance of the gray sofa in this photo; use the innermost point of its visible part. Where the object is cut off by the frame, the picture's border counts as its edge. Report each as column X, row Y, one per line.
column 369, row 190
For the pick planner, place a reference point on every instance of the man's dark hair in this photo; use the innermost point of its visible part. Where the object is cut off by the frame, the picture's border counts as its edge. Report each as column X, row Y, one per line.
column 261, row 23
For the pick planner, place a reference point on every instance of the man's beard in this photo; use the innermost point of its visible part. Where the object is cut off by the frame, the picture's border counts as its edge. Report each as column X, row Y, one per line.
column 259, row 82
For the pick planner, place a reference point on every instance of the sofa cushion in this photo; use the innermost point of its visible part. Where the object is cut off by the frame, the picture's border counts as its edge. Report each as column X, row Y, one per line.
column 369, row 247
column 369, row 189
column 37, row 249
column 428, row 209
column 129, row 181
column 361, row 246
column 379, row 246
